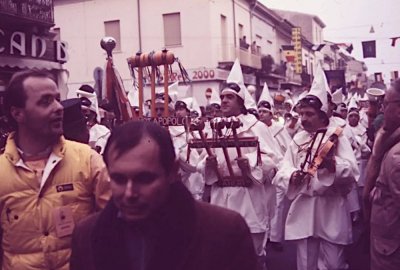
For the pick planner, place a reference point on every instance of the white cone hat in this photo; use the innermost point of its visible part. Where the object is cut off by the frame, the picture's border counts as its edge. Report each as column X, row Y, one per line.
column 236, row 76
column 93, row 99
column 215, row 99
column 266, row 96
column 337, row 96
column 320, row 88
column 249, row 101
column 192, row 105
column 133, row 97
column 352, row 103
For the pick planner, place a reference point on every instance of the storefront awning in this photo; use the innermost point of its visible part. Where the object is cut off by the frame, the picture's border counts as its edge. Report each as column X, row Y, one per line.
column 27, row 63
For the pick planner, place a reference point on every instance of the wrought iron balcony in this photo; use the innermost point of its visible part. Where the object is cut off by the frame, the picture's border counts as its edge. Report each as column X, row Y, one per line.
column 40, row 11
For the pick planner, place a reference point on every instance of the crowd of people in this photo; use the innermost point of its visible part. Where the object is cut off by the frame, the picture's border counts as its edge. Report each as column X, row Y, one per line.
column 78, row 191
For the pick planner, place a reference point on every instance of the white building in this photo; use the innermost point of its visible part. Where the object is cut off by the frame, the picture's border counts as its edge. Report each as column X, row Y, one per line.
column 207, row 36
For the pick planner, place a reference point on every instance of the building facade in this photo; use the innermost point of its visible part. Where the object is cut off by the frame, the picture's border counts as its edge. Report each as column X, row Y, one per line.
column 206, row 36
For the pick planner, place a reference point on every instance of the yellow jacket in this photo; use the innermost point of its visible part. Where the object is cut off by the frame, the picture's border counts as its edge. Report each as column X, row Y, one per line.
column 74, row 176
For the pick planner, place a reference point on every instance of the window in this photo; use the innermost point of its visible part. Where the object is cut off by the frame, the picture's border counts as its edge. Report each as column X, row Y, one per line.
column 224, row 37
column 172, row 29
column 224, row 28
column 240, row 30
column 112, row 29
column 259, row 41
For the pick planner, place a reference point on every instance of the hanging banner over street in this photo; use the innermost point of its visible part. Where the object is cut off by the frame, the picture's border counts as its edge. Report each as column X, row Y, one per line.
column 296, row 41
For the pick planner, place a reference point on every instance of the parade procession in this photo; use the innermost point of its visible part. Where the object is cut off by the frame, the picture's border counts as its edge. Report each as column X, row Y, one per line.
column 199, row 135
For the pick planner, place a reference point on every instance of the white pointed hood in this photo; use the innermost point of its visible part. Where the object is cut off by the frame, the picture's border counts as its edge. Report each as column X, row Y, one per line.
column 320, row 88
column 191, row 104
column 93, row 99
column 215, row 99
column 266, row 96
column 173, row 91
column 353, row 103
column 337, row 96
column 133, row 97
column 236, row 76
column 249, row 101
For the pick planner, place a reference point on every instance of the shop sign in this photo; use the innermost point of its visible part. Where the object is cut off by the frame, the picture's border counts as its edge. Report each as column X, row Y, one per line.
column 24, row 44
column 296, row 40
column 205, row 74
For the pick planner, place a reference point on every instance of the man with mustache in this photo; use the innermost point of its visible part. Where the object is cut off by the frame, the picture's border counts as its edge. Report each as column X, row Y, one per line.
column 318, row 219
column 47, row 183
column 248, row 191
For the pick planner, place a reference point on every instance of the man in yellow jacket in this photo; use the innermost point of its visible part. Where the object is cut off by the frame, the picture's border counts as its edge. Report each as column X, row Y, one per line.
column 47, row 183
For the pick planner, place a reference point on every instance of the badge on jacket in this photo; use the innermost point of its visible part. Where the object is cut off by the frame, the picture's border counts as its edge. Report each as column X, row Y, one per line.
column 64, row 221
column 65, row 187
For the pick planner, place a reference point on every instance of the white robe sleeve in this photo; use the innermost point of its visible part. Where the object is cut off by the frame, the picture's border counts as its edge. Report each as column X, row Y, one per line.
column 288, row 166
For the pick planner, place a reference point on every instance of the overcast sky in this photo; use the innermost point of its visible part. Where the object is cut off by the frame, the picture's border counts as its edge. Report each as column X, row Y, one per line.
column 350, row 21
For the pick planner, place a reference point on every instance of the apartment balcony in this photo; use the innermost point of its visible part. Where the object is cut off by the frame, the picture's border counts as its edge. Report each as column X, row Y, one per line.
column 229, row 53
column 29, row 11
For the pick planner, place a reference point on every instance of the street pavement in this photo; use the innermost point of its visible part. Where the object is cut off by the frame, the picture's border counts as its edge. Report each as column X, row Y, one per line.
column 357, row 254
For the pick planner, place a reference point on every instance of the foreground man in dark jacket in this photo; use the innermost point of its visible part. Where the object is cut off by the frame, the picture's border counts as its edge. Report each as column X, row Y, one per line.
column 384, row 166
column 152, row 221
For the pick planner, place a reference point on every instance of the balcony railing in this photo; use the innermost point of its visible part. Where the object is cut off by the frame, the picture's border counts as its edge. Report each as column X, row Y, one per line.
column 40, row 11
column 229, row 53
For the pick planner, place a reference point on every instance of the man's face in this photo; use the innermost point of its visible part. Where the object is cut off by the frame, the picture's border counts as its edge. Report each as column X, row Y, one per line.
column 181, row 112
column 159, row 109
column 331, row 108
column 230, row 105
column 310, row 119
column 89, row 115
column 391, row 110
column 265, row 115
column 287, row 106
column 214, row 112
column 43, row 113
column 353, row 119
column 343, row 112
column 139, row 183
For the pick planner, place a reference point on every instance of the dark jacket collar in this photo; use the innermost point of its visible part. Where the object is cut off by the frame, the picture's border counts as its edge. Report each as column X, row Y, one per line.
column 171, row 230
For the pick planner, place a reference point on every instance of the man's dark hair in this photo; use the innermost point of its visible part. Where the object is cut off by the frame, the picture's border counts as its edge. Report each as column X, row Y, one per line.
column 15, row 95
column 264, row 104
column 127, row 136
column 243, row 109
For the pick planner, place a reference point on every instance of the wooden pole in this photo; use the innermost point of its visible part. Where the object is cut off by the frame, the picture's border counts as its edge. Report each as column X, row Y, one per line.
column 140, row 75
column 153, row 91
column 166, row 79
